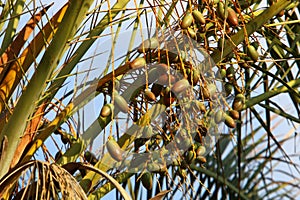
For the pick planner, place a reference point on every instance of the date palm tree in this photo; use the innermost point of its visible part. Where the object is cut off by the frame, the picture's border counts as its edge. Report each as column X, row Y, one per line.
column 158, row 99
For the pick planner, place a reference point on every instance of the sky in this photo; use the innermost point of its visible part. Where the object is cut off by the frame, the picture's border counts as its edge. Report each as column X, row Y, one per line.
column 92, row 109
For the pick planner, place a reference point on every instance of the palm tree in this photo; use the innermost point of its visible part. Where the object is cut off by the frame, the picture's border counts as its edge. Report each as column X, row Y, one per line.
column 174, row 99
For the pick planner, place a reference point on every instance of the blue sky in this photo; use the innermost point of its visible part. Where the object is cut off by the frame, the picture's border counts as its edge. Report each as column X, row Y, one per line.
column 92, row 109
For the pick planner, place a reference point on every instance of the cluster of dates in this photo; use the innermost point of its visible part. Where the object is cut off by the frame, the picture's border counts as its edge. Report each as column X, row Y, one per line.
column 189, row 95
column 212, row 22
column 194, row 106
